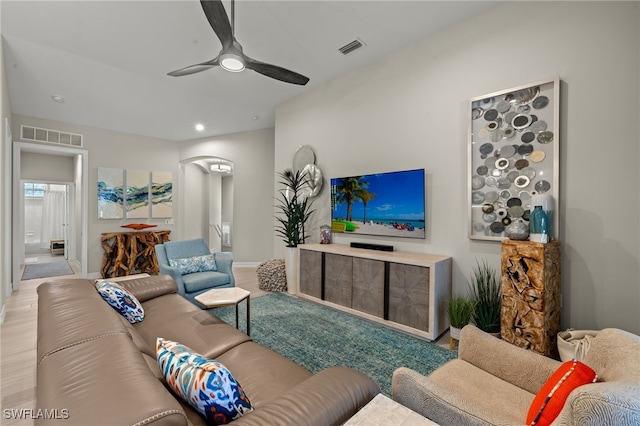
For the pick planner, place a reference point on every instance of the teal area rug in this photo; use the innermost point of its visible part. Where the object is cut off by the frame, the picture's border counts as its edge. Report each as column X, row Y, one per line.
column 317, row 337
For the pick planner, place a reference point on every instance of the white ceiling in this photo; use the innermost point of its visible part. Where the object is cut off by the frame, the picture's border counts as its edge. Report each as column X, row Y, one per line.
column 110, row 59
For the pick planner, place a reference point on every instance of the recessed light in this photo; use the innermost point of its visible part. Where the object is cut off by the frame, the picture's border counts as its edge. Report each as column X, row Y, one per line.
column 199, row 127
column 57, row 98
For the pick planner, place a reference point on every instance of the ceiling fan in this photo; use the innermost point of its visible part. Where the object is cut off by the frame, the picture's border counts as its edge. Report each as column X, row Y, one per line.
column 231, row 57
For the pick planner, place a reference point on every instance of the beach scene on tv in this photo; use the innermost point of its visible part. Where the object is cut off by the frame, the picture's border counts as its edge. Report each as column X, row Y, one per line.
column 388, row 204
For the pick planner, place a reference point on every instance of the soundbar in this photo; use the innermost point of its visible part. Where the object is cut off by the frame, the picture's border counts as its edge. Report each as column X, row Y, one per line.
column 379, row 247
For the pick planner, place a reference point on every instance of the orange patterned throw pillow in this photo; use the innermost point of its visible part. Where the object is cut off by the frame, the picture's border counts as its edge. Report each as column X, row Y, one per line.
column 551, row 398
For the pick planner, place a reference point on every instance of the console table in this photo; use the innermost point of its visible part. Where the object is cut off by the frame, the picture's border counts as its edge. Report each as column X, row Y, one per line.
column 127, row 253
column 402, row 290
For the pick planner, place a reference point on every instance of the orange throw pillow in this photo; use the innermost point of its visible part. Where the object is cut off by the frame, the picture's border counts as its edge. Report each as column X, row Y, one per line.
column 551, row 398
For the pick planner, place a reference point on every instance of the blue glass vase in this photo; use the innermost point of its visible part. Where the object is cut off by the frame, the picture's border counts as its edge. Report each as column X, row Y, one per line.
column 538, row 226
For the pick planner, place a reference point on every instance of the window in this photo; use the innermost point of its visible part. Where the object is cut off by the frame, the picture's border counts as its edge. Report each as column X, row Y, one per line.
column 34, row 190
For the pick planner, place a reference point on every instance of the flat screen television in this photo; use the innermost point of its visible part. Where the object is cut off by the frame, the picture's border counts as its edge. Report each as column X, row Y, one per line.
column 387, row 204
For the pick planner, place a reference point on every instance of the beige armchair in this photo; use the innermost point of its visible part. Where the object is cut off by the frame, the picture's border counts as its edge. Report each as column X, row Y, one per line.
column 493, row 382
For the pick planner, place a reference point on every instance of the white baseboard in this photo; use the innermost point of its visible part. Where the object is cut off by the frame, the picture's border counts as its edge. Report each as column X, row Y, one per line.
column 246, row 264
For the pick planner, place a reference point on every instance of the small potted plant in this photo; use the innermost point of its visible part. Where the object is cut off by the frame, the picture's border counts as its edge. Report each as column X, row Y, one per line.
column 459, row 311
column 486, row 294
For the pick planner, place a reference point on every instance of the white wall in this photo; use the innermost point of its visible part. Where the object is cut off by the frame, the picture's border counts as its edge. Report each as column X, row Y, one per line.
column 5, row 194
column 109, row 148
column 42, row 167
column 196, row 212
column 252, row 157
column 410, row 111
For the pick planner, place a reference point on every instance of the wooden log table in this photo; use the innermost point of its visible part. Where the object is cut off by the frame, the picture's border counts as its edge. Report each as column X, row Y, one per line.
column 127, row 253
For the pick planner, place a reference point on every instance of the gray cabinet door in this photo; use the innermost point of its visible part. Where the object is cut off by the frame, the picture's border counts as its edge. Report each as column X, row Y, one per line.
column 311, row 273
column 338, row 277
column 409, row 295
column 368, row 286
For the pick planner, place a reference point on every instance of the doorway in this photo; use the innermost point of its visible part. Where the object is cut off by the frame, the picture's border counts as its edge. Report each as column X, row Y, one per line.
column 77, row 195
column 47, row 221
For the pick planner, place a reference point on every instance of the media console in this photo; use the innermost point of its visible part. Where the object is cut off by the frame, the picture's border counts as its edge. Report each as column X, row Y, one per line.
column 405, row 291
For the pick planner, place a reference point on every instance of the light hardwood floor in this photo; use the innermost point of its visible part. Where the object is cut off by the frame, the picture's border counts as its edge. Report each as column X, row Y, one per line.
column 18, row 343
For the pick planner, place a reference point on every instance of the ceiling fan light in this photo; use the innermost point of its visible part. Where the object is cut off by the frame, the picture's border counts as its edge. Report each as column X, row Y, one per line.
column 231, row 62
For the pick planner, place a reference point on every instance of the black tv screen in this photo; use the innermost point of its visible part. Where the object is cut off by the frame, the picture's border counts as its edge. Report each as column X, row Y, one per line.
column 387, row 204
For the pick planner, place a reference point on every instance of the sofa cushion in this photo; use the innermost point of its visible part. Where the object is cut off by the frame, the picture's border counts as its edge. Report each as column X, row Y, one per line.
column 207, row 385
column 121, row 300
column 549, row 401
column 189, row 265
column 175, row 318
column 203, row 280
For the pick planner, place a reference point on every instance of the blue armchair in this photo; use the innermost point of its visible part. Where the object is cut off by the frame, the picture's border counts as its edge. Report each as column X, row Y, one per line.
column 192, row 284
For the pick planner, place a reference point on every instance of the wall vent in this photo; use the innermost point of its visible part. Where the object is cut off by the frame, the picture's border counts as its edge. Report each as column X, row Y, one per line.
column 39, row 134
column 351, row 46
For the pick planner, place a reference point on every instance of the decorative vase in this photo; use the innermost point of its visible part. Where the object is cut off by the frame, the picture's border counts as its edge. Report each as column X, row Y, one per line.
column 517, row 230
column 538, row 226
column 546, row 202
column 291, row 267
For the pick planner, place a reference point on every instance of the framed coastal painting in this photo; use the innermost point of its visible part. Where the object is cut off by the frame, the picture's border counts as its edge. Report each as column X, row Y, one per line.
column 513, row 154
column 161, row 195
column 110, row 193
column 137, row 194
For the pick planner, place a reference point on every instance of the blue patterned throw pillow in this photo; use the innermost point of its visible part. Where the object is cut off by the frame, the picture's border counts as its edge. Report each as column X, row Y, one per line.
column 205, row 384
column 121, row 300
column 189, row 265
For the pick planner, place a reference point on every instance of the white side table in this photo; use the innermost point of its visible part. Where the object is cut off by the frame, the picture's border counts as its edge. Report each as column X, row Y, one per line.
column 218, row 297
column 384, row 411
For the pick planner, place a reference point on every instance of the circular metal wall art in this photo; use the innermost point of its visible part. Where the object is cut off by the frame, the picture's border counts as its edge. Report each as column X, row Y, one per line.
column 537, row 156
column 538, row 126
column 521, row 164
column 477, row 197
column 540, row 102
column 477, row 182
column 490, row 114
column 528, row 137
column 502, row 163
column 476, row 113
column 304, row 155
column 497, row 227
column 486, row 103
column 503, row 106
column 491, row 197
column 521, row 181
column 521, row 121
column 507, row 151
column 542, row 186
column 545, row 137
column 525, row 149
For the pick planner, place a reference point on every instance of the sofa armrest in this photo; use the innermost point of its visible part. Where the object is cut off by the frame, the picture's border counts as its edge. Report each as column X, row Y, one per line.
column 330, row 397
column 504, row 360
column 605, row 403
column 224, row 262
column 431, row 400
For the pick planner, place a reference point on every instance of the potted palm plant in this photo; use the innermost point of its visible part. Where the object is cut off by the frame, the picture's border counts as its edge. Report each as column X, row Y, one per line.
column 459, row 311
column 294, row 210
column 486, row 294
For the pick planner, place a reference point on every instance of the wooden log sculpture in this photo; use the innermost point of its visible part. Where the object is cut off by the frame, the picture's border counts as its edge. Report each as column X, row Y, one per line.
column 128, row 253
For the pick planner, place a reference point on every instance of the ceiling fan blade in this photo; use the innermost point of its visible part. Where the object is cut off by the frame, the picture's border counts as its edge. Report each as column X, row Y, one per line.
column 195, row 68
column 217, row 17
column 276, row 72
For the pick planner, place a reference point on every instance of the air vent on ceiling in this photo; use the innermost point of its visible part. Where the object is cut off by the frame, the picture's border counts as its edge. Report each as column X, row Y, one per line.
column 50, row 136
column 351, row 46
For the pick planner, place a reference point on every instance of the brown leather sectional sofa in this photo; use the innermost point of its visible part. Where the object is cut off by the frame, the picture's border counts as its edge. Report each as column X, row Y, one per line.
column 95, row 368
